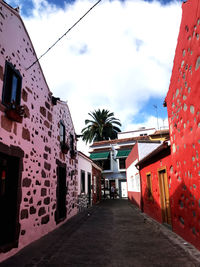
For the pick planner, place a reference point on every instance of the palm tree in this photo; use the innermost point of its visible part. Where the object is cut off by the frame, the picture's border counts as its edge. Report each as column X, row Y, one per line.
column 102, row 126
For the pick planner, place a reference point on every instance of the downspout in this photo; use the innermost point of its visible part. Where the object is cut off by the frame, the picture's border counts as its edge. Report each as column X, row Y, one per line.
column 141, row 198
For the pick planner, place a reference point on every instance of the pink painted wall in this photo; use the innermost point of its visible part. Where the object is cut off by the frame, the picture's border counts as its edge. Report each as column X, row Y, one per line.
column 37, row 136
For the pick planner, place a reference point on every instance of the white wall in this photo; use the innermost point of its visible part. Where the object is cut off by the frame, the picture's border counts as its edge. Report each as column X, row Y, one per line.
column 133, row 178
column 135, row 133
column 84, row 164
column 146, row 148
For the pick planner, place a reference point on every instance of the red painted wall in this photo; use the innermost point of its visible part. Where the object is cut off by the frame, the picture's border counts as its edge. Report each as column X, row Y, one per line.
column 183, row 107
column 96, row 195
column 132, row 156
column 135, row 198
column 153, row 207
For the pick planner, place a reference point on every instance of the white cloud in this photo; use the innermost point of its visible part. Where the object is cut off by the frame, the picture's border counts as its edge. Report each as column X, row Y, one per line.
column 150, row 122
column 118, row 57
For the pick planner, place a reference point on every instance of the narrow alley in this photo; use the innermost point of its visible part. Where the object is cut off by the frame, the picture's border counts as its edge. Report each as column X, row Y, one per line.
column 112, row 233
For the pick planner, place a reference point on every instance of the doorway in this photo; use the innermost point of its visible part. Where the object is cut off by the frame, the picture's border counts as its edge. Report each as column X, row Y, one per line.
column 111, row 184
column 10, row 192
column 89, row 189
column 164, row 196
column 61, row 194
column 124, row 190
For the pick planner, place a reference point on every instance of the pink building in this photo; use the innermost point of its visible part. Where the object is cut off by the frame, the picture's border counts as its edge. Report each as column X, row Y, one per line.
column 38, row 165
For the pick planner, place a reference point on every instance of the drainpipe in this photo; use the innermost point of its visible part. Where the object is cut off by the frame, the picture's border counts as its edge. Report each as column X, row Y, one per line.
column 141, row 198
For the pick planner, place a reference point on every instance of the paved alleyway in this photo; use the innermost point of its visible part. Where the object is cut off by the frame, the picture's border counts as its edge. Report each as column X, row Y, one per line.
column 115, row 234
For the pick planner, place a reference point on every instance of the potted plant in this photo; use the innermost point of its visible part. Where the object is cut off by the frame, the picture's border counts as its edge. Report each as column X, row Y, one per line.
column 64, row 148
column 73, row 154
column 15, row 112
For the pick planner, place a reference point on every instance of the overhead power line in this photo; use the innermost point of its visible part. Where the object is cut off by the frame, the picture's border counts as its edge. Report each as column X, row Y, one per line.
column 63, row 35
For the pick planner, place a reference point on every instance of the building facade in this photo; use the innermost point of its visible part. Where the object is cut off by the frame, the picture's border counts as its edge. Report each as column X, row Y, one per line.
column 139, row 151
column 84, row 181
column 38, row 164
column 156, row 190
column 184, row 120
column 111, row 155
column 97, row 181
column 89, row 182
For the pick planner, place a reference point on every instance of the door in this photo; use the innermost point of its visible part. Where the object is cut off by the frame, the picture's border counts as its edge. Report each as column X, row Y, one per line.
column 111, row 184
column 89, row 189
column 61, row 195
column 164, row 196
column 124, row 189
column 9, row 178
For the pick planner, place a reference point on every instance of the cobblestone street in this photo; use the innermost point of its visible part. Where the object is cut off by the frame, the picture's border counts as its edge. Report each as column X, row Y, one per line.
column 113, row 233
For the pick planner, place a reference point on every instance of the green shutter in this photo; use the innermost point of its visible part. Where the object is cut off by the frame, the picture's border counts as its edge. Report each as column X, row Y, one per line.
column 100, row 155
column 123, row 153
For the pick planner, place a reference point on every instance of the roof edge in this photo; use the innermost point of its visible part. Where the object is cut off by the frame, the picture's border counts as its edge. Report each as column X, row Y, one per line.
column 162, row 147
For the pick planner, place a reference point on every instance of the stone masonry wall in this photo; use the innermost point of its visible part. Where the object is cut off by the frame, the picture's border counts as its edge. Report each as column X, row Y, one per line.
column 183, row 107
column 37, row 135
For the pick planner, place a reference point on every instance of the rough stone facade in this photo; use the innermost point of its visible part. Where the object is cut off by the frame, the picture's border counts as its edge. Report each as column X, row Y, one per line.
column 83, row 202
column 38, row 136
column 153, row 202
column 184, row 119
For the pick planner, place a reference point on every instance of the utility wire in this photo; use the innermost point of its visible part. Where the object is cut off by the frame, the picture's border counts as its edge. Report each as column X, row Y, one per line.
column 63, row 35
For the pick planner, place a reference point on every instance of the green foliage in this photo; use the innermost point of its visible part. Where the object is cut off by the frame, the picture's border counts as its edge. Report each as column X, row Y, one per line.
column 102, row 126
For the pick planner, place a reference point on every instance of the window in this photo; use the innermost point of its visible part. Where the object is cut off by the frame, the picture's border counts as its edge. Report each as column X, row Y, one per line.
column 12, row 86
column 95, row 184
column 104, row 164
column 149, row 187
column 62, row 133
column 122, row 164
column 106, row 184
column 61, row 194
column 71, row 147
column 71, row 142
column 82, row 181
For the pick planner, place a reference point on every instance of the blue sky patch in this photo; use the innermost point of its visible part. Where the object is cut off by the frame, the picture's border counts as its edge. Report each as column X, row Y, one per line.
column 148, row 108
column 27, row 5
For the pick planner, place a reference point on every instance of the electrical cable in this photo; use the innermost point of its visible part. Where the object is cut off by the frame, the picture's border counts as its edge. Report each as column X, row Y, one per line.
column 63, row 35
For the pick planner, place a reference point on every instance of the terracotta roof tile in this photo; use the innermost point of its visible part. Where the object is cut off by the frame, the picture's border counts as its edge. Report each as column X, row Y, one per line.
column 117, row 141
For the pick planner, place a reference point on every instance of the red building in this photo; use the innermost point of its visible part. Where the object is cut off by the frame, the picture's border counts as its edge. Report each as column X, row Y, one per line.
column 155, row 172
column 96, row 182
column 182, row 102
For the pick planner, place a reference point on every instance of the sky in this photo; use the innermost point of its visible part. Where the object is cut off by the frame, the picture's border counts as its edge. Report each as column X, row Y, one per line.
column 119, row 57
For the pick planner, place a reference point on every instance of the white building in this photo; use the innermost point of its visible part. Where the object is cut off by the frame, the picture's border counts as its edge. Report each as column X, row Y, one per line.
column 84, row 181
column 140, row 132
column 139, row 151
column 111, row 156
